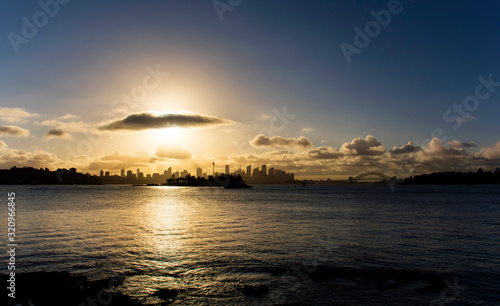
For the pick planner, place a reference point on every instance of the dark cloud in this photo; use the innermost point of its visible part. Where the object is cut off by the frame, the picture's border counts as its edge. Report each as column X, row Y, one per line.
column 57, row 133
column 278, row 141
column 12, row 130
column 324, row 153
column 359, row 146
column 144, row 121
column 172, row 151
column 407, row 148
column 460, row 144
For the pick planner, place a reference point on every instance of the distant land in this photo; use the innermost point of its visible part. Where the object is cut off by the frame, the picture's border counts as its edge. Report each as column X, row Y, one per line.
column 32, row 176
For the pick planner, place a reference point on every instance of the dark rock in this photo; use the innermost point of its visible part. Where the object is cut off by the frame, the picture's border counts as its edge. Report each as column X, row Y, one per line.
column 166, row 294
column 255, row 290
column 63, row 288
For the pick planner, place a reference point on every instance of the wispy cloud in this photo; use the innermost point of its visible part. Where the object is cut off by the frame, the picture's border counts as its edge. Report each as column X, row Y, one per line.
column 306, row 130
column 461, row 144
column 150, row 120
column 15, row 115
column 12, row 130
column 466, row 118
column 69, row 117
column 77, row 126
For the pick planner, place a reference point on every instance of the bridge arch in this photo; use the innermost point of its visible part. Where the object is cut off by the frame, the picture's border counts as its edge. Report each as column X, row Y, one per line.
column 362, row 176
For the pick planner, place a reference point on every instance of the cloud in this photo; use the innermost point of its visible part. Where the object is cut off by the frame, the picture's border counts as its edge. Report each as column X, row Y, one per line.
column 460, row 144
column 172, row 151
column 466, row 118
column 264, row 117
column 492, row 153
column 12, row 130
column 3, row 146
column 407, row 148
column 360, row 146
column 21, row 158
column 76, row 127
column 15, row 114
column 57, row 134
column 436, row 148
column 280, row 142
column 119, row 160
column 324, row 153
column 69, row 117
column 144, row 121
column 306, row 130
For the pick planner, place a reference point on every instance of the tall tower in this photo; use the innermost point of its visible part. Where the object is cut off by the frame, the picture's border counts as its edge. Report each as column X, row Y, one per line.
column 213, row 169
column 227, row 169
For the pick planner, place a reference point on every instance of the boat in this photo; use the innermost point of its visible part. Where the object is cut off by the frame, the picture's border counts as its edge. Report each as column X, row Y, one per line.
column 237, row 185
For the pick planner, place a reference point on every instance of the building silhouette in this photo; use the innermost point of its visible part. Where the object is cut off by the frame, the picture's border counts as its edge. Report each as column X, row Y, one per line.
column 255, row 176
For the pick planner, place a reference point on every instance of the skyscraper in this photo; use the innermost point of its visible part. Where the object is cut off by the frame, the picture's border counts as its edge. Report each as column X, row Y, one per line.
column 249, row 171
column 199, row 172
column 264, row 170
column 122, row 173
column 227, row 169
column 168, row 173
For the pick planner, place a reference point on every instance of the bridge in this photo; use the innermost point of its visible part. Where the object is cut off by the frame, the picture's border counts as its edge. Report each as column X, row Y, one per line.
column 363, row 176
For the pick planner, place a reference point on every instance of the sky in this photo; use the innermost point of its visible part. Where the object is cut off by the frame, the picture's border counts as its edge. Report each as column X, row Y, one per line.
column 324, row 89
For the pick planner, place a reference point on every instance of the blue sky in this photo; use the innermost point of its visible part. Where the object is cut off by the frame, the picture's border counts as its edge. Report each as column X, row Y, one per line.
column 264, row 55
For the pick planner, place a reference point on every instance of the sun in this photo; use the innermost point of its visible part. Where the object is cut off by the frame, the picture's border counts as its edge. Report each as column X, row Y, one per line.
column 169, row 135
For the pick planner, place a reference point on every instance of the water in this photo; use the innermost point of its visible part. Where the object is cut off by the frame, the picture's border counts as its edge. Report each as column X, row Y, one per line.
column 315, row 245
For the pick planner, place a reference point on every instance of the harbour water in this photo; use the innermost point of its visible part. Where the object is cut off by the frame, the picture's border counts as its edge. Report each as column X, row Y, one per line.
column 312, row 245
